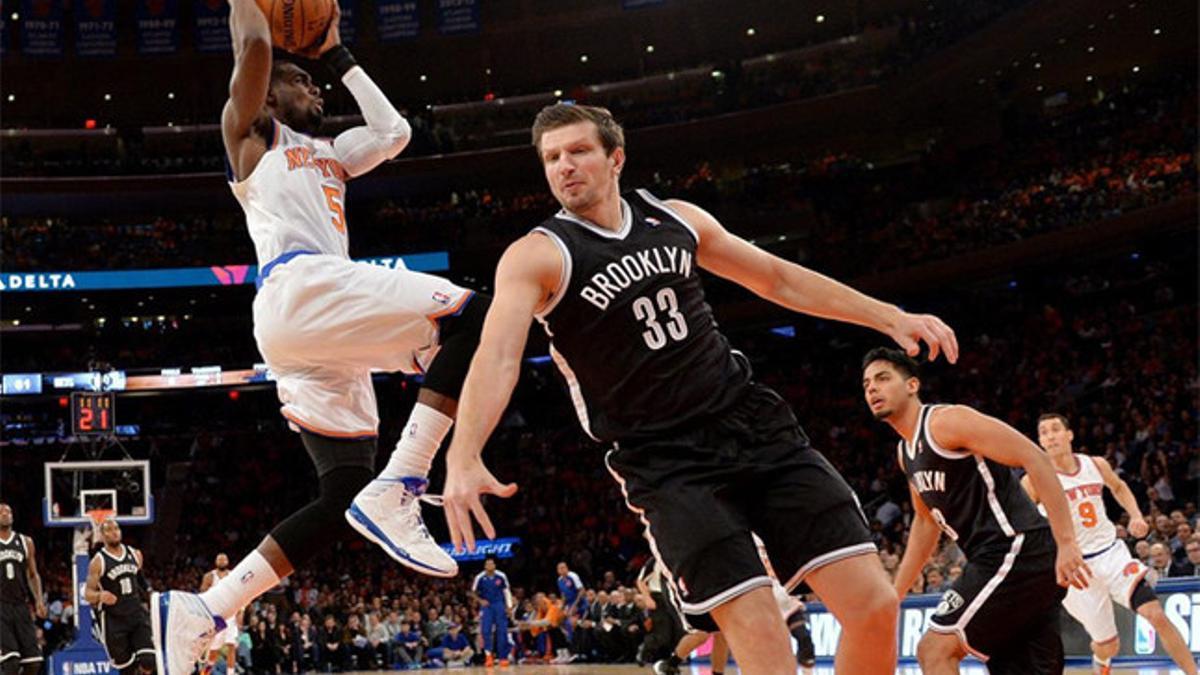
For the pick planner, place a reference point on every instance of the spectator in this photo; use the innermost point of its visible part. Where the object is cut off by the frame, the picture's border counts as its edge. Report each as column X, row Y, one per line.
column 1162, row 563
column 333, row 648
column 1191, row 565
column 409, row 646
column 454, row 649
column 935, row 580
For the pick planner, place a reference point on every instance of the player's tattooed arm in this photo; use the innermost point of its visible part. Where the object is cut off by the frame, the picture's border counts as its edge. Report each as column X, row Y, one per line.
column 960, row 426
column 34, row 579
column 249, row 85
column 1138, row 526
column 803, row 290
column 922, row 542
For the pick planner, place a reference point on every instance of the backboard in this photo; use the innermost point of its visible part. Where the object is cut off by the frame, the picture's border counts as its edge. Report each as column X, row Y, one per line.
column 72, row 489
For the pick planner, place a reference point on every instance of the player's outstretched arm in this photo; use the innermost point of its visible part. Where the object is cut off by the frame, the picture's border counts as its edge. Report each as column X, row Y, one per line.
column 1138, row 526
column 249, row 85
column 922, row 541
column 803, row 290
column 34, row 579
column 386, row 132
column 527, row 274
column 960, row 426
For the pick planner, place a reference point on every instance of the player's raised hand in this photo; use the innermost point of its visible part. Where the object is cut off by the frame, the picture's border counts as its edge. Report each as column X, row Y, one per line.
column 465, row 482
column 1138, row 527
column 911, row 330
column 333, row 36
column 1070, row 567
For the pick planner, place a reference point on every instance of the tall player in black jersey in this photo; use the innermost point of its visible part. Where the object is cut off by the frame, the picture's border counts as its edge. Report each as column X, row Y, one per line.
column 117, row 592
column 19, row 583
column 705, row 455
column 1004, row 607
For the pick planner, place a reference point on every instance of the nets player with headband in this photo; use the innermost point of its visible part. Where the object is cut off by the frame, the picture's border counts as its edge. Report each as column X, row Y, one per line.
column 19, row 584
column 116, row 590
column 1004, row 607
column 1119, row 576
column 322, row 323
column 704, row 453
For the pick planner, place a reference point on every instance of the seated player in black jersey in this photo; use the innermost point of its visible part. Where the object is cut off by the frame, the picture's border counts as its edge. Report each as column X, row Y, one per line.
column 705, row 454
column 1004, row 607
column 117, row 592
column 19, row 584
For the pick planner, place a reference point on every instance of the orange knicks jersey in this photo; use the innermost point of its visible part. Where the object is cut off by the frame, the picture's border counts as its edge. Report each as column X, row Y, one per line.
column 1085, row 494
column 294, row 198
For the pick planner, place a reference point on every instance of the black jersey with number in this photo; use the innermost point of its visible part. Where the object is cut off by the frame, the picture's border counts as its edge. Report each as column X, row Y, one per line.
column 629, row 327
column 14, row 586
column 122, row 577
column 978, row 503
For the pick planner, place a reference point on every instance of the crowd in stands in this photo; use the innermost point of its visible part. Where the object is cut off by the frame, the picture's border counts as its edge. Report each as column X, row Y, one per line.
column 1111, row 345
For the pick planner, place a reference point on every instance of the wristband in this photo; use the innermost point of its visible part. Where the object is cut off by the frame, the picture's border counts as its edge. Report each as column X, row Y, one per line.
column 339, row 60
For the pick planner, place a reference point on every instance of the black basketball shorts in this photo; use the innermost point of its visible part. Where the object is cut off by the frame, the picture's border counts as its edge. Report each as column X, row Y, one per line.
column 1005, row 607
column 701, row 492
column 125, row 636
column 18, row 636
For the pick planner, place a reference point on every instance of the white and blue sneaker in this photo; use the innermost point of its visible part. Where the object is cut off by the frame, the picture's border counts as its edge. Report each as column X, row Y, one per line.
column 388, row 512
column 182, row 629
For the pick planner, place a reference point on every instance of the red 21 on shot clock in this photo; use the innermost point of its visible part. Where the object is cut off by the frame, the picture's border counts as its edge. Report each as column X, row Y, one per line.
column 93, row 413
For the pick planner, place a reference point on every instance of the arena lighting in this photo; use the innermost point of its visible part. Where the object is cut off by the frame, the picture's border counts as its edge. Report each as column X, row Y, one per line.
column 63, row 401
column 1037, row 66
column 1136, row 69
column 1091, row 49
column 12, row 97
column 89, row 123
column 820, row 18
column 750, row 32
column 583, row 58
column 328, row 86
column 424, row 78
column 490, row 96
column 171, row 95
column 649, row 49
column 234, row 394
column 1158, row 31
column 108, row 97
column 16, row 17
column 1088, row 78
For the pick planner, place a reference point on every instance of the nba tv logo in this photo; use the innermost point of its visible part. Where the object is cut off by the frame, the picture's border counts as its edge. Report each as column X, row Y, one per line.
column 1144, row 638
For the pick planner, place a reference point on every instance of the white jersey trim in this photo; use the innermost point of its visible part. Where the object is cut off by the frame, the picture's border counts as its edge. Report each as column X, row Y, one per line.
column 993, row 501
column 575, row 390
column 826, row 559
column 626, row 222
column 564, row 278
column 933, row 444
column 645, row 194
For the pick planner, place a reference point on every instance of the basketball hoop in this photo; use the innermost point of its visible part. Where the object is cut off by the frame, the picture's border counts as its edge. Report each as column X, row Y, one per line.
column 98, row 516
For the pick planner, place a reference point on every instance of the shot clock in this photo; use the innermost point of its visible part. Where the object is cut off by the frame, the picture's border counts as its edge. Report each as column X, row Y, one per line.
column 93, row 413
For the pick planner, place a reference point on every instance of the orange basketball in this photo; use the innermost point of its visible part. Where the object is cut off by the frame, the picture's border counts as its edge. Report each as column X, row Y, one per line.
column 297, row 24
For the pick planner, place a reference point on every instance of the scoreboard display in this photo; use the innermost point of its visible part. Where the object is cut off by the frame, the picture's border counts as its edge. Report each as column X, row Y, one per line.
column 93, row 413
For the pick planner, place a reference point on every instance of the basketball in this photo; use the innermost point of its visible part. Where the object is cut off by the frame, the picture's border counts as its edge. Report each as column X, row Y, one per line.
column 297, row 24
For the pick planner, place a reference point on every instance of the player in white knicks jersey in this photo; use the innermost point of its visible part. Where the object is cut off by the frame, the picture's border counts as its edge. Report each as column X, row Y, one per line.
column 1118, row 576
column 323, row 323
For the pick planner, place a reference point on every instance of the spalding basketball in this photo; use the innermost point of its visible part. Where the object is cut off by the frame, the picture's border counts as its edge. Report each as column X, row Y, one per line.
column 297, row 25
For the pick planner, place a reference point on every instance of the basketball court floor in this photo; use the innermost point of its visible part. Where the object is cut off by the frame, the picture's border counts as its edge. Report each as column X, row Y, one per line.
column 586, row 668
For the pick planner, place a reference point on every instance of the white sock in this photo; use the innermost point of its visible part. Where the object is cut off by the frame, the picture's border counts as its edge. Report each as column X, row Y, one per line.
column 418, row 443
column 251, row 578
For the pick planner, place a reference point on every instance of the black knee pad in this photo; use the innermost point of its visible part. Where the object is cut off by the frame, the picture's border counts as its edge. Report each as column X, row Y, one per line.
column 1142, row 593
column 345, row 467
column 459, row 337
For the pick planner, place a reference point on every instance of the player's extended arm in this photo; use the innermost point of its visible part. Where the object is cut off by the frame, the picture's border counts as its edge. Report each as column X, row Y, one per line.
column 386, row 132
column 922, row 541
column 1138, row 526
column 527, row 275
column 250, row 82
column 207, row 581
column 34, row 579
column 803, row 290
column 960, row 426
